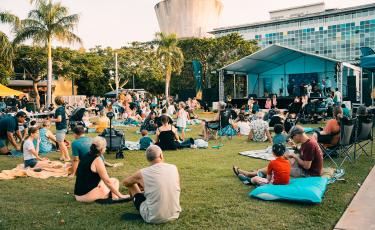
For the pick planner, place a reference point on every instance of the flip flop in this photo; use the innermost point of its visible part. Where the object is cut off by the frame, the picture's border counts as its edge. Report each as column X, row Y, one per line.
column 235, row 170
column 114, row 201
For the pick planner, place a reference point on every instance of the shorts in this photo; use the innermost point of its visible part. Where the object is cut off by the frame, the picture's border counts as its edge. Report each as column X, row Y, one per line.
column 3, row 143
column 296, row 171
column 138, row 200
column 30, row 163
column 60, row 135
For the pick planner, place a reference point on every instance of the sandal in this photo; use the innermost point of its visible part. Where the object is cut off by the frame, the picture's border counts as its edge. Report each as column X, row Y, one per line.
column 235, row 170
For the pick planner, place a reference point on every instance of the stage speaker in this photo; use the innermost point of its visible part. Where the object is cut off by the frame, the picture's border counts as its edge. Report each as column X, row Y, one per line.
column 351, row 89
column 366, row 91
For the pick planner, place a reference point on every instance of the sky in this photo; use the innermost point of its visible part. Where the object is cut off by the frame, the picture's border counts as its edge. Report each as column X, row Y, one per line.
column 116, row 23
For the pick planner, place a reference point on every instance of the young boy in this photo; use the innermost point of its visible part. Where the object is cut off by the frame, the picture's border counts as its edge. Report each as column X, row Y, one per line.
column 280, row 137
column 278, row 170
column 145, row 141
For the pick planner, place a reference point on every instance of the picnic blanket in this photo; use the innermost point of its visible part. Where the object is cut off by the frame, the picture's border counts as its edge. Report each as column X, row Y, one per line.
column 264, row 154
column 132, row 145
column 55, row 169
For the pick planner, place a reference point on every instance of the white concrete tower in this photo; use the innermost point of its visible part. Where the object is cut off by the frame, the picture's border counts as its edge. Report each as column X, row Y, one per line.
column 188, row 18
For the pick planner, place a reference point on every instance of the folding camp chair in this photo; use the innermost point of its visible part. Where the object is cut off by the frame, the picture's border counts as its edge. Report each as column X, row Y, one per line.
column 364, row 136
column 343, row 148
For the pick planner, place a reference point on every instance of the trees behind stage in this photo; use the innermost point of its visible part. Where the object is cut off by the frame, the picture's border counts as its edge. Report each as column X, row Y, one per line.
column 93, row 70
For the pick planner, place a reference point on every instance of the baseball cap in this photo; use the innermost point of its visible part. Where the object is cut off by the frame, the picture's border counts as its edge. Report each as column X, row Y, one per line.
column 295, row 130
column 21, row 114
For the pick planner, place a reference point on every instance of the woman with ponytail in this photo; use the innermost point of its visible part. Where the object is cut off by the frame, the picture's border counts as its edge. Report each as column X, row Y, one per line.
column 93, row 183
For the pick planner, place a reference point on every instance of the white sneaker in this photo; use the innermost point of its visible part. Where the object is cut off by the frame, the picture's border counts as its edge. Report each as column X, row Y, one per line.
column 193, row 146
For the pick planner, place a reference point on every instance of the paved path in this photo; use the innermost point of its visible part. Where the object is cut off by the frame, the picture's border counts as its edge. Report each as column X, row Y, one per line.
column 360, row 213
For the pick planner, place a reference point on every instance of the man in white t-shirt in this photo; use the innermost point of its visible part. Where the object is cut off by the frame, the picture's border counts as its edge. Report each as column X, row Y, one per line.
column 156, row 189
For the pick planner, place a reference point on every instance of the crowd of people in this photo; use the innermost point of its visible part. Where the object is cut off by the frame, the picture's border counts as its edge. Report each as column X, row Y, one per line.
column 155, row 190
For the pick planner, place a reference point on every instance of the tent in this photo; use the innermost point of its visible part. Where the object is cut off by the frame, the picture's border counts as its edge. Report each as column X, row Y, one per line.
column 368, row 63
column 6, row 92
column 277, row 62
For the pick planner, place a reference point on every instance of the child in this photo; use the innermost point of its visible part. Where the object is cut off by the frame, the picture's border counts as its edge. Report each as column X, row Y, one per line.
column 278, row 170
column 30, row 152
column 182, row 118
column 243, row 125
column 280, row 137
column 145, row 141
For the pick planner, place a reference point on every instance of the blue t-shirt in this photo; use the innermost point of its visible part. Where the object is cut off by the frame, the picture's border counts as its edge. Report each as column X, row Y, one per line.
column 145, row 142
column 61, row 112
column 279, row 139
column 81, row 146
column 8, row 124
column 346, row 112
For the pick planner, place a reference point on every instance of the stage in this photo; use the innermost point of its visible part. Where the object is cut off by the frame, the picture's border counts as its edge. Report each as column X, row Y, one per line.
column 282, row 102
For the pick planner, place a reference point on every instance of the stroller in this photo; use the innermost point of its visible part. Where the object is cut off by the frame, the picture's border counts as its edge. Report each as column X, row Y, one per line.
column 75, row 118
column 115, row 141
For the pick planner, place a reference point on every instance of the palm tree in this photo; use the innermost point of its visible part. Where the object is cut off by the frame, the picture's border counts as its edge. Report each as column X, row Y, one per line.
column 170, row 56
column 6, row 45
column 46, row 22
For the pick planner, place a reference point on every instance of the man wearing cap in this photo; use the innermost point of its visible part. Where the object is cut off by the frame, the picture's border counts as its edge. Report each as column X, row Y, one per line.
column 308, row 163
column 9, row 126
column 156, row 189
column 310, row 160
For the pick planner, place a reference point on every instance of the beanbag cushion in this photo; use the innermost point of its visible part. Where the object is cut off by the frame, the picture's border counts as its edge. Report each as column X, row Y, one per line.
column 307, row 190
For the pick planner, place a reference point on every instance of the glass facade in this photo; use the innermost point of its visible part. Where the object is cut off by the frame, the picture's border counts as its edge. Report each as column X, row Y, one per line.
column 337, row 34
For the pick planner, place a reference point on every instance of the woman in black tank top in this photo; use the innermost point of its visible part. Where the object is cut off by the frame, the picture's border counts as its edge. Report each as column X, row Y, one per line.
column 167, row 138
column 93, row 182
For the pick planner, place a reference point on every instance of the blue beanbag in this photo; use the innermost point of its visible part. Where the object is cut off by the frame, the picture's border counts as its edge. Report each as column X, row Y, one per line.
column 306, row 190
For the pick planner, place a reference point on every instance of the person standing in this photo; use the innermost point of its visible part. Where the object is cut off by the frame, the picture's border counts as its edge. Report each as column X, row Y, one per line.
column 156, row 189
column 337, row 98
column 328, row 86
column 61, row 127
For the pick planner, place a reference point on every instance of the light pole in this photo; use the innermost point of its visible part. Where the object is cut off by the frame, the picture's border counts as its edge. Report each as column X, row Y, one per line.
column 116, row 75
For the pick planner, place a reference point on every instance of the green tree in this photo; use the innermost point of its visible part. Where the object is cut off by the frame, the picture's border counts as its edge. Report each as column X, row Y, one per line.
column 31, row 61
column 46, row 22
column 7, row 46
column 170, row 55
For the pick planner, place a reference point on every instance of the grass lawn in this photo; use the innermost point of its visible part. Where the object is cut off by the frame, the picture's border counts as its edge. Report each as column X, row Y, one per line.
column 211, row 196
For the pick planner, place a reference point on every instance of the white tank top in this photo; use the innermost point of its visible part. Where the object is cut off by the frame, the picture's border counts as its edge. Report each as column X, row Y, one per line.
column 162, row 192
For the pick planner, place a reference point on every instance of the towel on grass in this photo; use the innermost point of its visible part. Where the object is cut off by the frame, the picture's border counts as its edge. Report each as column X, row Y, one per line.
column 132, row 145
column 264, row 154
column 55, row 169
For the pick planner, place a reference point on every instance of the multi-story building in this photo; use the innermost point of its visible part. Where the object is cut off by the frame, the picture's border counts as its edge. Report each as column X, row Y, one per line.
column 334, row 33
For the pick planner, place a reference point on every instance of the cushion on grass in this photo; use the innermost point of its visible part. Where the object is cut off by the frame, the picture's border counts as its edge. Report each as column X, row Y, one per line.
column 307, row 190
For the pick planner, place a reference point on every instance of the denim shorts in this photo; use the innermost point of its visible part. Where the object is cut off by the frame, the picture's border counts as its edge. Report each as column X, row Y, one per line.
column 3, row 143
column 60, row 135
column 30, row 163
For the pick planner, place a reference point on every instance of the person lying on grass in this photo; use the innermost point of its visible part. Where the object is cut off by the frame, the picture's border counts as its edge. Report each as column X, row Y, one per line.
column 156, row 189
column 278, row 170
column 93, row 182
column 309, row 161
column 31, row 153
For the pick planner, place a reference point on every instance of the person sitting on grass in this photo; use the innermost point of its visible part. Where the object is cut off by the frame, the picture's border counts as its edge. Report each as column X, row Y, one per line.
column 308, row 161
column 9, row 127
column 102, row 123
column 259, row 129
column 145, row 141
column 156, row 189
column 279, row 137
column 80, row 146
column 243, row 125
column 278, row 170
column 93, row 182
column 47, row 139
column 31, row 152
